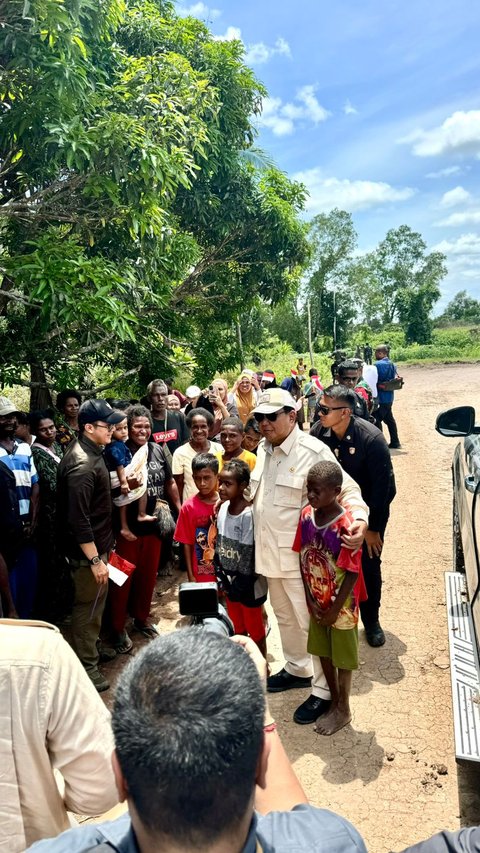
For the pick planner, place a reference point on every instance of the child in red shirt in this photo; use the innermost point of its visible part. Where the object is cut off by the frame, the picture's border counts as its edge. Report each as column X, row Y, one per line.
column 196, row 527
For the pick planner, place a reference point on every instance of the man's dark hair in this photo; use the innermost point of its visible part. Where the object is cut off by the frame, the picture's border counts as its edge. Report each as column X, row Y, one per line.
column 199, row 411
column 64, row 395
column 233, row 421
column 138, row 411
column 23, row 418
column 329, row 473
column 188, row 727
column 252, row 423
column 204, row 460
column 342, row 394
column 313, row 371
column 382, row 348
column 348, row 364
column 238, row 469
column 38, row 415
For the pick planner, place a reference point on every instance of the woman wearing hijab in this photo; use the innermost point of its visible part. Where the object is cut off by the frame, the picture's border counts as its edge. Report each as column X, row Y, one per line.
column 245, row 396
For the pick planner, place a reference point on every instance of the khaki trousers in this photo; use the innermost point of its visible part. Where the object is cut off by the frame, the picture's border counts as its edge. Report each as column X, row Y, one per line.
column 287, row 597
column 85, row 624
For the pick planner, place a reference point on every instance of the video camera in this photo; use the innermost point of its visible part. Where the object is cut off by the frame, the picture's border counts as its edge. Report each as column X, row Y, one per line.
column 200, row 602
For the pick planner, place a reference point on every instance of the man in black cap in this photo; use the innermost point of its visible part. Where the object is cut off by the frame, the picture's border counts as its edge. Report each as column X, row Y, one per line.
column 85, row 519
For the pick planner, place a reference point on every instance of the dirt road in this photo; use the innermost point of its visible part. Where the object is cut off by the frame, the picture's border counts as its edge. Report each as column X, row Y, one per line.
column 381, row 772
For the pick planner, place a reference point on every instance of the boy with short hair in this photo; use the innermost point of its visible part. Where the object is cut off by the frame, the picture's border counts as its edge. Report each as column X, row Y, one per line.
column 333, row 580
column 231, row 437
column 235, row 555
column 251, row 437
column 196, row 527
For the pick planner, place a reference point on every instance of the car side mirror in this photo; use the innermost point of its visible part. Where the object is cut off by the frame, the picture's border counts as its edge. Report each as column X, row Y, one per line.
column 456, row 422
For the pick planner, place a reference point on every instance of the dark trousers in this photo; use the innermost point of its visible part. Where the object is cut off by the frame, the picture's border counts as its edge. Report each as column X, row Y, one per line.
column 384, row 413
column 372, row 574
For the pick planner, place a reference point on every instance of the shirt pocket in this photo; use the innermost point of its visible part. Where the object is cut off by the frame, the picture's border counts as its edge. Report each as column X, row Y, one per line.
column 288, row 491
column 288, row 559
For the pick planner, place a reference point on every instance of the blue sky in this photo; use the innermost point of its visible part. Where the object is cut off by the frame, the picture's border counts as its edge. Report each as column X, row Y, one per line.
column 375, row 106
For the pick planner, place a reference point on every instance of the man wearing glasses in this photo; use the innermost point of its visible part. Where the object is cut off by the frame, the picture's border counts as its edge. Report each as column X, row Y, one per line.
column 85, row 524
column 278, row 489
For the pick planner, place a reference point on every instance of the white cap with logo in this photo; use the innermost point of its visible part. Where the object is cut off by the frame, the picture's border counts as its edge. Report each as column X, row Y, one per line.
column 275, row 399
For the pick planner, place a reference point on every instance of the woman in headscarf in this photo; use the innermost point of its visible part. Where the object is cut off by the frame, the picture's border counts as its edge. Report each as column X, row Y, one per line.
column 245, row 395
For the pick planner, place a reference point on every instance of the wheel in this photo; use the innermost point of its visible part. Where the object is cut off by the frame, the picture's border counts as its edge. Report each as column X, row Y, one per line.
column 458, row 559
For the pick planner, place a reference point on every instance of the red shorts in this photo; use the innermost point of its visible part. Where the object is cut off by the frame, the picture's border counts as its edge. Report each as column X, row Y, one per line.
column 247, row 620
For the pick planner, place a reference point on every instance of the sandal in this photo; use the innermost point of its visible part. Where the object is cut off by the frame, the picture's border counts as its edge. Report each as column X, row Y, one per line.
column 148, row 631
column 124, row 645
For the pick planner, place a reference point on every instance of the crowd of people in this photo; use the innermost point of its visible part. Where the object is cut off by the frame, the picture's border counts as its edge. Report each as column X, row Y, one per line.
column 258, row 505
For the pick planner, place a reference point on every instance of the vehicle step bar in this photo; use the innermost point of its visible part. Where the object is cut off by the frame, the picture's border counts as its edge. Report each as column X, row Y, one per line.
column 464, row 669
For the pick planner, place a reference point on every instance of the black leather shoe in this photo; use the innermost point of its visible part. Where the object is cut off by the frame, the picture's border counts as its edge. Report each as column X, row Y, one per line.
column 393, row 446
column 374, row 634
column 311, row 710
column 284, row 681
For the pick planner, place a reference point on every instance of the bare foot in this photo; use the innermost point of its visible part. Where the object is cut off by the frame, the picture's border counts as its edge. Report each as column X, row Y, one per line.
column 146, row 518
column 127, row 534
column 334, row 720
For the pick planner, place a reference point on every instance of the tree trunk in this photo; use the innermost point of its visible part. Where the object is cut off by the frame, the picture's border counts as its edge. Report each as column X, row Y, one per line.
column 310, row 346
column 240, row 344
column 40, row 397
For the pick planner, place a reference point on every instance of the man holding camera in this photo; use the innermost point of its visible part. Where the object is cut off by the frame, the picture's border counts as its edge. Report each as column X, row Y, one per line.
column 200, row 762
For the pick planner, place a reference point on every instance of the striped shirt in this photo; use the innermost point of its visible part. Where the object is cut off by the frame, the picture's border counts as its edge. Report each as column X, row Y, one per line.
column 20, row 461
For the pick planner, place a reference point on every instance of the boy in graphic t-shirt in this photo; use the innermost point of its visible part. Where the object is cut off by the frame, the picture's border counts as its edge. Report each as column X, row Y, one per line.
column 334, row 586
column 196, row 527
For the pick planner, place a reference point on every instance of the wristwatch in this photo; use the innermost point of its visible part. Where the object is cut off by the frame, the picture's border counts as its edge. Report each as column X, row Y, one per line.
column 95, row 560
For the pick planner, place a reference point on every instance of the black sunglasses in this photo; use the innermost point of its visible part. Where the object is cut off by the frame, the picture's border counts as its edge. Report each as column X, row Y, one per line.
column 259, row 416
column 325, row 410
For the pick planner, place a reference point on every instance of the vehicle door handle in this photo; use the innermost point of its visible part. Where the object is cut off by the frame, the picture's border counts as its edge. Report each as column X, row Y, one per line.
column 470, row 483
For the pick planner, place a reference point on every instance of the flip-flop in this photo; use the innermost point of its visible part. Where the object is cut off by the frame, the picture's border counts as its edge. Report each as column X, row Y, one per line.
column 124, row 647
column 148, row 631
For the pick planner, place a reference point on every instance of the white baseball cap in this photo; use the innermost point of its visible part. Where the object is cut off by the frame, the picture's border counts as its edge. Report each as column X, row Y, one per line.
column 274, row 400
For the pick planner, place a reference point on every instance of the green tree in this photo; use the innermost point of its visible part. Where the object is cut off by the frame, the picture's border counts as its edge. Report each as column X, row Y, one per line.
column 401, row 283
column 461, row 309
column 132, row 226
column 333, row 240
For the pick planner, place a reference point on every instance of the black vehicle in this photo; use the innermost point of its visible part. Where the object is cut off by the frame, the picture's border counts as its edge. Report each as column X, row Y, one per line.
column 463, row 583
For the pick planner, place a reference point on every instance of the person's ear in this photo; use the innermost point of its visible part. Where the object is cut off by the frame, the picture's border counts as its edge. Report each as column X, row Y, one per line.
column 120, row 782
column 338, row 490
column 262, row 763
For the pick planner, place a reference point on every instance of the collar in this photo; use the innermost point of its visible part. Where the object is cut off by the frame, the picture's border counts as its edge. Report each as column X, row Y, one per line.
column 89, row 445
column 286, row 444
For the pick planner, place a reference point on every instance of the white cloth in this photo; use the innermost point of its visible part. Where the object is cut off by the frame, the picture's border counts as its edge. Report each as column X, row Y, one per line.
column 182, row 464
column 278, row 488
column 370, row 374
column 50, row 717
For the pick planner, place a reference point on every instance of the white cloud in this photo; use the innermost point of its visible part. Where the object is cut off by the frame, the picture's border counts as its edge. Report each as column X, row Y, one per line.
column 259, row 53
column 459, row 133
column 453, row 197
column 327, row 193
column 281, row 117
column 349, row 109
column 231, row 34
column 445, row 173
column 465, row 245
column 199, row 10
column 468, row 217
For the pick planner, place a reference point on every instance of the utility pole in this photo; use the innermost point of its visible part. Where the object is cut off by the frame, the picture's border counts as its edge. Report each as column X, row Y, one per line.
column 240, row 344
column 310, row 347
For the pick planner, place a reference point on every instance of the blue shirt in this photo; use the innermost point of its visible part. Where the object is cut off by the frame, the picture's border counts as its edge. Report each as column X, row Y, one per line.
column 386, row 371
column 117, row 455
column 21, row 463
column 305, row 828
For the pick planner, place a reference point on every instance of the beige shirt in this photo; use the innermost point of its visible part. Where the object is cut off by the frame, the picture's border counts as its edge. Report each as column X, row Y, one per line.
column 278, row 488
column 182, row 464
column 51, row 716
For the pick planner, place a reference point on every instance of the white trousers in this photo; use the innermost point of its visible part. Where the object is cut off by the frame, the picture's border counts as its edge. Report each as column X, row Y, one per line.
column 287, row 597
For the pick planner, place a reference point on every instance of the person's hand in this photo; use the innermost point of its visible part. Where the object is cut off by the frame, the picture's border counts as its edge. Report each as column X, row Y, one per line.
column 134, row 482
column 124, row 488
column 100, row 573
column 252, row 649
column 255, row 382
column 328, row 617
column 374, row 543
column 353, row 539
